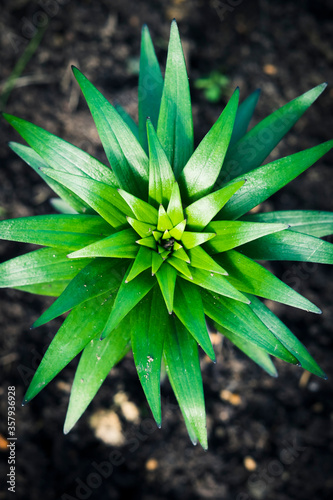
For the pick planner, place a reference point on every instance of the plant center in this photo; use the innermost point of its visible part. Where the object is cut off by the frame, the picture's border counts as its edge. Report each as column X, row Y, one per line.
column 168, row 244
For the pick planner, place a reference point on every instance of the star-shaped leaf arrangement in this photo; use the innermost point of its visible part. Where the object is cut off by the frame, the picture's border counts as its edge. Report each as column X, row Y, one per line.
column 149, row 250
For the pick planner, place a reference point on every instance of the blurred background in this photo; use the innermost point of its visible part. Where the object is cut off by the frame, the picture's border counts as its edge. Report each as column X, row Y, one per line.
column 268, row 438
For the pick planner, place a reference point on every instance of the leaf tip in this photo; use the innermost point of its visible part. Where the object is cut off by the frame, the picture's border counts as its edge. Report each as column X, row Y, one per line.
column 6, row 116
column 24, row 402
column 67, row 428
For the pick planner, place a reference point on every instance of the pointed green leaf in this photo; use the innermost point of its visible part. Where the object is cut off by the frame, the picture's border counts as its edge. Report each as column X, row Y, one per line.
column 161, row 177
column 149, row 322
column 252, row 149
column 61, row 155
column 62, row 206
column 142, row 228
column 178, row 231
column 243, row 117
column 37, row 163
column 231, row 234
column 163, row 254
column 251, row 350
column 128, row 120
column 202, row 211
column 97, row 359
column 164, row 222
column 285, row 336
column 69, row 231
column 128, row 160
column 241, row 320
column 166, row 235
column 248, row 276
column 97, row 278
column 149, row 242
column 312, row 222
column 157, row 261
column 121, row 244
column 289, row 245
column 175, row 208
column 191, row 432
column 53, row 289
column 143, row 261
column 101, row 197
column 177, row 246
column 141, row 209
column 166, row 277
column 161, row 249
column 200, row 173
column 264, row 181
column 175, row 125
column 79, row 328
column 129, row 294
column 216, row 283
column 182, row 255
column 183, row 369
column 150, row 86
column 191, row 240
column 180, row 265
column 40, row 266
column 189, row 309
column 199, row 258
column 157, row 235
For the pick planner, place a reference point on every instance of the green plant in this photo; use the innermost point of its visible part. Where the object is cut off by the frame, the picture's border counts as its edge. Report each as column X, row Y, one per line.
column 161, row 241
column 213, row 86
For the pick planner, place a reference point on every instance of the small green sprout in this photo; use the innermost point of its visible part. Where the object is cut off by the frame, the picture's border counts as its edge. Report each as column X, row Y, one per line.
column 144, row 254
column 214, row 86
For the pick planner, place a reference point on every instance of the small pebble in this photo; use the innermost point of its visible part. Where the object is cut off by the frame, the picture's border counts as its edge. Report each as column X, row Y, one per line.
column 152, row 464
column 249, row 463
column 270, row 69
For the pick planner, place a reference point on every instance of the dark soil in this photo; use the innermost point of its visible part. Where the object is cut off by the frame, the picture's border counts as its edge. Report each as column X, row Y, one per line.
column 268, row 438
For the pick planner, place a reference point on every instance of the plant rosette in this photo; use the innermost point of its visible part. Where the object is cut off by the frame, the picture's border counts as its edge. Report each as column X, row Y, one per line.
column 144, row 254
